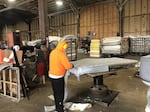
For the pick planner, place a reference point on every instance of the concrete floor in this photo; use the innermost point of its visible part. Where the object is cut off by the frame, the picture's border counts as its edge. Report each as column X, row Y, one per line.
column 131, row 97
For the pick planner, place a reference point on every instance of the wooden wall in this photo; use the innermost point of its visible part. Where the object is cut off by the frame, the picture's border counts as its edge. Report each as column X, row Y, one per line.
column 137, row 17
column 35, row 32
column 101, row 19
column 63, row 24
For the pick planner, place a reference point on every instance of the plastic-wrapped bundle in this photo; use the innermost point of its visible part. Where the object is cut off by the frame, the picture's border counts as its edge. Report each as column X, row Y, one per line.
column 116, row 49
column 54, row 38
column 145, row 68
column 34, row 42
column 111, row 41
column 91, row 65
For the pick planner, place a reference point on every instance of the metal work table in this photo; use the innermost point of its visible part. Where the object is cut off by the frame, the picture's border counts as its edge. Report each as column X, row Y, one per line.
column 96, row 68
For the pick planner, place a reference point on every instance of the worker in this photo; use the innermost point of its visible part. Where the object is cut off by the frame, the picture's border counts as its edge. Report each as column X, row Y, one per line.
column 59, row 64
column 41, row 65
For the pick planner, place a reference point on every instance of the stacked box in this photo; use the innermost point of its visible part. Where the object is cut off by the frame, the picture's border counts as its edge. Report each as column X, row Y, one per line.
column 95, row 48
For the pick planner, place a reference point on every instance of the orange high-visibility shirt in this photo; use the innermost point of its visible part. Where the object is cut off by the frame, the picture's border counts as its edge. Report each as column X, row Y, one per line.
column 59, row 61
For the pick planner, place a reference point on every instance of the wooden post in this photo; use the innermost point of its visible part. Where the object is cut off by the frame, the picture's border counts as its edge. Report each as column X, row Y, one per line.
column 43, row 18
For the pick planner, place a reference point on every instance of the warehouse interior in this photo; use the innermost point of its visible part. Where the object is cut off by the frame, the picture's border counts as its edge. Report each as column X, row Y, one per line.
column 108, row 44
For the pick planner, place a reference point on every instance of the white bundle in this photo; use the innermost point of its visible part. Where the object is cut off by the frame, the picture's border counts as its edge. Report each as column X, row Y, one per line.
column 111, row 41
column 144, row 68
column 116, row 49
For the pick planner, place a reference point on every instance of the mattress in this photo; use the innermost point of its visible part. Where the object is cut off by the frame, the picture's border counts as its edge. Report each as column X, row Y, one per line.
column 111, row 41
column 95, row 65
column 116, row 49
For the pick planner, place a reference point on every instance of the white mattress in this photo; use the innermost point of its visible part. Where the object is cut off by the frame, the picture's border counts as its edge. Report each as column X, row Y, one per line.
column 116, row 49
column 95, row 65
column 111, row 41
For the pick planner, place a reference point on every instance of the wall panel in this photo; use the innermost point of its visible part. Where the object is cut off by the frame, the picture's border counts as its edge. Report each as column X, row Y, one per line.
column 127, row 9
column 148, row 8
column 126, row 24
column 138, row 7
column 139, row 19
column 101, row 19
column 144, row 6
column 64, row 24
column 132, row 7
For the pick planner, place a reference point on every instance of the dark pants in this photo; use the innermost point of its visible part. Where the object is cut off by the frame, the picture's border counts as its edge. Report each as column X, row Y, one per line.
column 58, row 90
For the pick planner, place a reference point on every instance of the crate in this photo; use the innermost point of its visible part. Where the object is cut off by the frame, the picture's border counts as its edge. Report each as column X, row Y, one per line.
column 10, row 83
column 140, row 45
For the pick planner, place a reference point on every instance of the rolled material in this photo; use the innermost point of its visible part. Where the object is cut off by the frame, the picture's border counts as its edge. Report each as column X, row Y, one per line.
column 145, row 68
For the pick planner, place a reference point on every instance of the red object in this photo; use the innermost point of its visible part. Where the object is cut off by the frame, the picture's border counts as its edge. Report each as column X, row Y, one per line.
column 1, row 56
column 11, row 60
column 40, row 69
column 10, row 39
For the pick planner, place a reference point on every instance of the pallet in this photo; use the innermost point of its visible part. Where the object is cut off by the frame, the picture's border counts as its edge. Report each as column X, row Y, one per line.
column 10, row 83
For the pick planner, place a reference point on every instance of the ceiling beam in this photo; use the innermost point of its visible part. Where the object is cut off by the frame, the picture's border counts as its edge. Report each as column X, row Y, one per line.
column 17, row 5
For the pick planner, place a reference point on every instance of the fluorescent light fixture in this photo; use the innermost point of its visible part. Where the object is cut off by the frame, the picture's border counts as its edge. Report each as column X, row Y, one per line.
column 59, row 3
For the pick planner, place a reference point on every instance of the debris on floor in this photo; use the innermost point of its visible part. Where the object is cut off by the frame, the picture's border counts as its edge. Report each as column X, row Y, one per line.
column 70, row 106
column 80, row 106
column 51, row 97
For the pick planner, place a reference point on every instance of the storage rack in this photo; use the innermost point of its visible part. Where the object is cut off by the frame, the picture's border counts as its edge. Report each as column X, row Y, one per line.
column 72, row 49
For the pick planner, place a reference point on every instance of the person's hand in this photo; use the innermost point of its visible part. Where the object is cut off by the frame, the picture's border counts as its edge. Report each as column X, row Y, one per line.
column 72, row 65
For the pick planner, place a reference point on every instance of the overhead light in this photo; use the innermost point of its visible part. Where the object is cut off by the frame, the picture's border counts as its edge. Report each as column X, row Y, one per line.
column 11, row 0
column 59, row 3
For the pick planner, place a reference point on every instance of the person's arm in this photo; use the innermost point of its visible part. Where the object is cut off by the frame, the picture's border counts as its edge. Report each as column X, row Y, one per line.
column 65, row 61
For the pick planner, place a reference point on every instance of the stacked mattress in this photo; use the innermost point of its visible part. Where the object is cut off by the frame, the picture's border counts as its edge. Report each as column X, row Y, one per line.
column 114, row 45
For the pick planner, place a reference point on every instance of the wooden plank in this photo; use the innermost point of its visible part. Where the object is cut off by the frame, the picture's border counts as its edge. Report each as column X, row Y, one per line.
column 10, row 82
column 105, row 28
column 127, row 9
column 4, row 79
column 132, row 7
column 137, row 23
column 138, row 7
column 18, row 84
column 96, row 18
column 105, row 11
column 148, row 23
column 144, row 6
column 87, row 16
column 92, row 15
column 126, row 24
column 132, row 24
column 110, row 11
column 144, row 23
column 143, row 33
column 115, row 28
column 148, row 6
